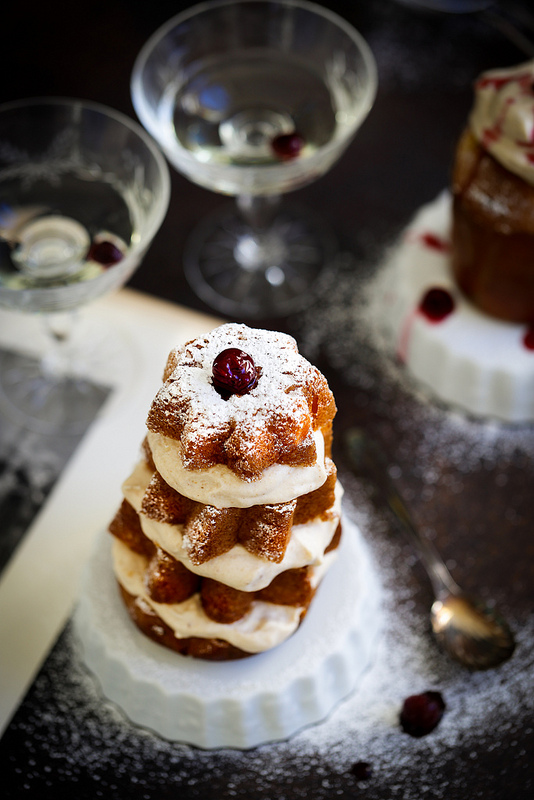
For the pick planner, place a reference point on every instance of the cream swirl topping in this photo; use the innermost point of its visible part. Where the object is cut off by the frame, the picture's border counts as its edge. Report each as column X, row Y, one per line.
column 502, row 118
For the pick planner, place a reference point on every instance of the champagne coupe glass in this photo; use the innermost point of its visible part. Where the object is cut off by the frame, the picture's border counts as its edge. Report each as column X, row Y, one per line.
column 83, row 191
column 253, row 99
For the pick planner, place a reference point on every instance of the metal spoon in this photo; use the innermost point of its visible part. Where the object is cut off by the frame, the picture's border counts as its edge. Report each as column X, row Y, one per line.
column 470, row 631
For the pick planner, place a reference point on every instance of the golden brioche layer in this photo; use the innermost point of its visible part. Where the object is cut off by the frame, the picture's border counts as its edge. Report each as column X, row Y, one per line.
column 168, row 581
column 157, row 630
column 271, row 424
column 263, row 530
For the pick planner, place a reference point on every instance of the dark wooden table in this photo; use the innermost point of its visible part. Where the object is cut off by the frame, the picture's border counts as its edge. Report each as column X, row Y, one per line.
column 469, row 483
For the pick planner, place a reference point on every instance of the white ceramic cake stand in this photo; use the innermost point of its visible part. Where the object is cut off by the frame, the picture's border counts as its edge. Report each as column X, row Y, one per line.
column 469, row 359
column 242, row 703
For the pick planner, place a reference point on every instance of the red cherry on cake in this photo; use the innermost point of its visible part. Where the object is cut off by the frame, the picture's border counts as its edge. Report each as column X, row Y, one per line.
column 436, row 304
column 421, row 713
column 287, row 145
column 105, row 253
column 234, row 372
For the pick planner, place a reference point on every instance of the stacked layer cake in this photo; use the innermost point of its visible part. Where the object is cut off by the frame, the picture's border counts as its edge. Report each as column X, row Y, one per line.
column 232, row 515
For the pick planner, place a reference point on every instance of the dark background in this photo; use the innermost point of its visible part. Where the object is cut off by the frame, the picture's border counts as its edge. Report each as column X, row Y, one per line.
column 400, row 158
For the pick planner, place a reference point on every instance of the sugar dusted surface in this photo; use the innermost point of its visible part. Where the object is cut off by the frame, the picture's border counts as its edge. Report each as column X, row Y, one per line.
column 275, row 413
column 237, row 567
column 78, row 735
column 221, row 487
column 69, row 737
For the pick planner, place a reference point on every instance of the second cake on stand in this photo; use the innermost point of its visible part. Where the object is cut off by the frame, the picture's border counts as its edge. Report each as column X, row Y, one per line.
column 459, row 288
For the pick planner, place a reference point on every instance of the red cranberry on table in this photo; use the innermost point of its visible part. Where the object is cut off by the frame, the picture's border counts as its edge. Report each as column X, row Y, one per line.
column 436, row 304
column 421, row 713
column 362, row 770
column 234, row 372
column 105, row 253
column 287, row 145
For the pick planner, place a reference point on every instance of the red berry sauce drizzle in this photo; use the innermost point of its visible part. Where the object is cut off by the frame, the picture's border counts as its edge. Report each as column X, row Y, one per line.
column 523, row 80
column 421, row 713
column 234, row 372
column 435, row 305
column 287, row 145
column 434, row 242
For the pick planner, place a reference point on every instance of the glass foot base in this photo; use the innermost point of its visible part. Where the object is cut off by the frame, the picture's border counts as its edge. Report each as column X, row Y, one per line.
column 243, row 274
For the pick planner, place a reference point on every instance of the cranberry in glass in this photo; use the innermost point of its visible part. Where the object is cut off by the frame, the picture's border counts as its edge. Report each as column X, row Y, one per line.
column 105, row 253
column 287, row 145
column 436, row 304
column 234, row 372
column 421, row 713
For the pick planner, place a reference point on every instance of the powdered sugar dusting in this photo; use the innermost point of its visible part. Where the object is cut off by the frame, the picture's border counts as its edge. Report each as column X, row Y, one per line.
column 275, row 413
column 274, row 354
column 78, row 735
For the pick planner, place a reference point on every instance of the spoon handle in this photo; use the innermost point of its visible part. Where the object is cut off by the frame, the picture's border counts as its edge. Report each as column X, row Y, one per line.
column 370, row 460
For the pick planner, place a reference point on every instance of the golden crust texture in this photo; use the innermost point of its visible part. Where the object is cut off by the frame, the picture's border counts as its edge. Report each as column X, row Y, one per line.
column 271, row 424
column 167, row 581
column 263, row 530
column 275, row 422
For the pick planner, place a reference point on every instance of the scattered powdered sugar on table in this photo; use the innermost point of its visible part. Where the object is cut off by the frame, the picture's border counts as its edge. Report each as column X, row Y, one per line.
column 348, row 331
column 84, row 739
column 81, row 734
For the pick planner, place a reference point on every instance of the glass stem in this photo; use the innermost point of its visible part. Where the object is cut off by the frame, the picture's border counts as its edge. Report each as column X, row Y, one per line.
column 57, row 362
column 258, row 210
column 260, row 248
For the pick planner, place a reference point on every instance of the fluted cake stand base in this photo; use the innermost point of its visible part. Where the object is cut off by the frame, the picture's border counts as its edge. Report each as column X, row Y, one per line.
column 244, row 703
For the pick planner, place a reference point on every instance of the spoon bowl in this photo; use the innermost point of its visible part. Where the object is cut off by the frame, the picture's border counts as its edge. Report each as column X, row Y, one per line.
column 469, row 630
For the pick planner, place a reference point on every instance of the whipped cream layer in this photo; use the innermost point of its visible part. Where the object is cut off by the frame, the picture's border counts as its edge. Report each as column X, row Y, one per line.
column 263, row 627
column 502, row 118
column 237, row 568
column 219, row 486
